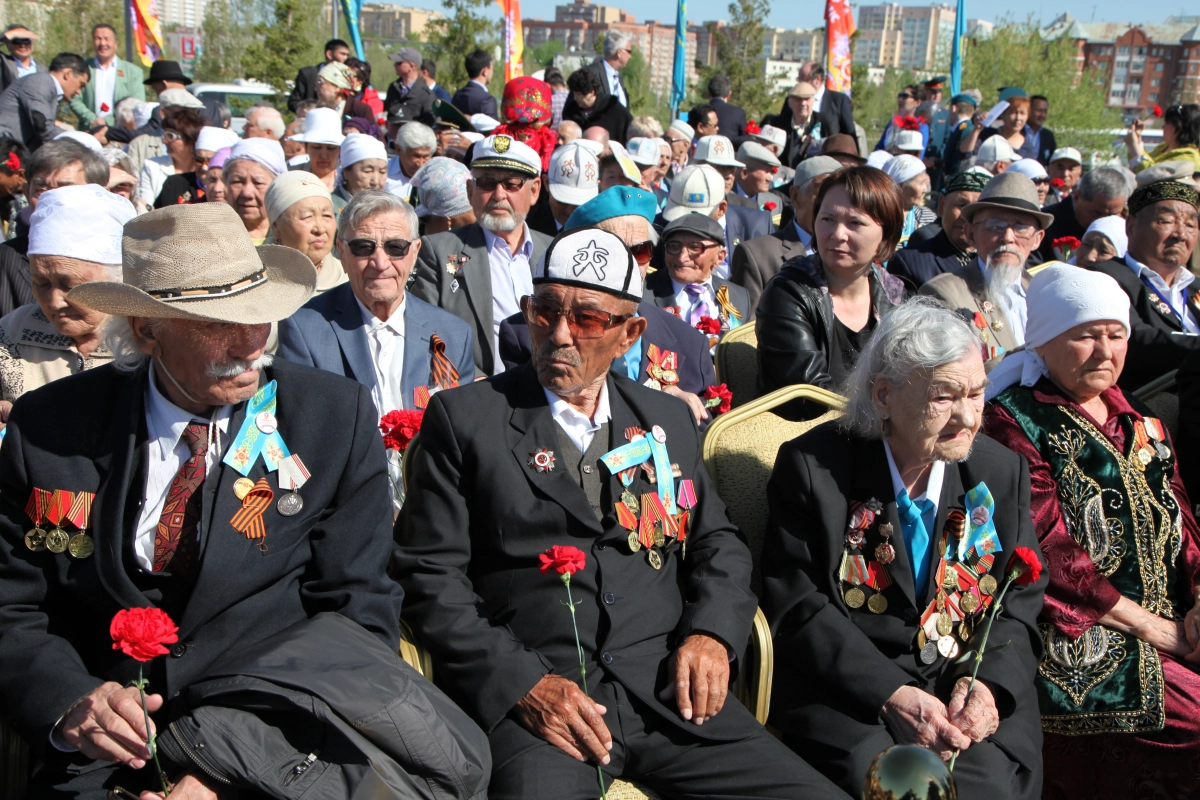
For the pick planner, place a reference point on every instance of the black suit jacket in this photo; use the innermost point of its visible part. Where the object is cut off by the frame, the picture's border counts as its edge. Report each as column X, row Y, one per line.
column 925, row 259
column 758, row 260
column 836, row 666
column 305, row 88
column 1047, row 144
column 731, row 120
column 473, row 98
column 1157, row 343
column 416, row 106
column 661, row 292
column 1064, row 224
column 468, row 540
column 838, row 111
column 663, row 329
column 88, row 433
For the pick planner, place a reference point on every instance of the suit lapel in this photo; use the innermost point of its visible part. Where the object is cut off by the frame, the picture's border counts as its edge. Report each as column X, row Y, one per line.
column 415, row 370
column 477, row 280
column 873, row 479
column 347, row 326
column 664, row 294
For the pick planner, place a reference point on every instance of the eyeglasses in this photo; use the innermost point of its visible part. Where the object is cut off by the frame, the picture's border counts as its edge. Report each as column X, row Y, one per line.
column 171, row 136
column 585, row 323
column 1040, row 181
column 905, row 96
column 694, row 248
column 997, row 227
column 20, row 42
column 394, row 248
column 510, row 185
column 201, row 161
column 642, row 252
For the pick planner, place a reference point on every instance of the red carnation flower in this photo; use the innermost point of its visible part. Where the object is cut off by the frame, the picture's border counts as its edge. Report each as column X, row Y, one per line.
column 399, row 428
column 718, row 397
column 752, row 127
column 13, row 162
column 1057, row 183
column 1158, row 112
column 907, row 123
column 1065, row 243
column 770, row 206
column 141, row 633
column 1025, row 566
column 565, row 560
column 709, row 325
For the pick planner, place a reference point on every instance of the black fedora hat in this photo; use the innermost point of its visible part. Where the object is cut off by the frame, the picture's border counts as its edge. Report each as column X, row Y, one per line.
column 166, row 71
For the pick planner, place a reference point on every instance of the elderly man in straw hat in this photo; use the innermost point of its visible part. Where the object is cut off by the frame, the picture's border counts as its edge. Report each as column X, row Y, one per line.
column 245, row 498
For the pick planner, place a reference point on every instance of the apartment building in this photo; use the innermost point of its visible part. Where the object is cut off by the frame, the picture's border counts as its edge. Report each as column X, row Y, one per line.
column 904, row 37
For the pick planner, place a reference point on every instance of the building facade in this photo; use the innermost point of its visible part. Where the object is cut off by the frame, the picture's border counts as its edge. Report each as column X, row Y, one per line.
column 904, row 37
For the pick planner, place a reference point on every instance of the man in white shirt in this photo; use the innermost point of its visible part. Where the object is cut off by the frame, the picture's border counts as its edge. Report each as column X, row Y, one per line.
column 617, row 52
column 113, row 80
column 414, row 145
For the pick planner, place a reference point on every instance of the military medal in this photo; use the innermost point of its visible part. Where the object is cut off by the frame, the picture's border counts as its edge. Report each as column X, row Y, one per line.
column 922, row 639
column 988, row 585
column 854, row 597
column 878, row 604
column 81, row 545
column 248, row 520
column 35, row 509
column 884, row 552
column 542, row 460
column 242, row 487
column 633, row 541
column 855, row 572
column 969, row 603
column 947, row 646
column 929, row 653
column 57, row 539
column 655, row 559
column 945, row 625
column 292, row 475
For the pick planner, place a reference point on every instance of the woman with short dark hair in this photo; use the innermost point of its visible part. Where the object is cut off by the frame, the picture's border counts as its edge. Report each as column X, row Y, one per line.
column 815, row 317
column 1181, row 139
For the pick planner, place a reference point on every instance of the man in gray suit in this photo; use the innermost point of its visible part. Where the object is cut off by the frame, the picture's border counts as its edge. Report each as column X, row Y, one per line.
column 370, row 329
column 481, row 271
column 29, row 107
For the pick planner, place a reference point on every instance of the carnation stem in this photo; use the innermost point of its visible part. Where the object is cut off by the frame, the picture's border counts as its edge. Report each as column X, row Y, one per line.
column 150, row 742
column 566, row 579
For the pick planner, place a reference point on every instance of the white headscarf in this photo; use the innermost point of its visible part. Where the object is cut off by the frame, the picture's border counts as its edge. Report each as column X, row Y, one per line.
column 1059, row 298
column 1113, row 229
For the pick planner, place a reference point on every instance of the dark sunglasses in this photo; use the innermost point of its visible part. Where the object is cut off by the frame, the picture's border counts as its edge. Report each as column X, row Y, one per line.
column 642, row 252
column 1040, row 181
column 585, row 323
column 904, row 96
column 513, row 184
column 20, row 42
column 394, row 248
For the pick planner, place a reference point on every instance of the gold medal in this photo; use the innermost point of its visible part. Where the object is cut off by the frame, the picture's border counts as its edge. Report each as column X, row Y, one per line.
column 670, row 377
column 1144, row 456
column 944, row 624
column 654, row 558
column 987, row 585
column 630, row 501
column 947, row 647
column 877, row 604
column 242, row 487
column 660, row 538
column 57, row 541
column 855, row 597
column 964, row 630
column 969, row 603
column 922, row 639
column 81, row 545
column 950, row 581
column 633, row 541
column 35, row 540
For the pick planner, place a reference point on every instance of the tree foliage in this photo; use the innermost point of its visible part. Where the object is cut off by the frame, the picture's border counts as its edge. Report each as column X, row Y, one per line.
column 69, row 26
column 291, row 42
column 448, row 40
column 739, row 48
column 875, row 104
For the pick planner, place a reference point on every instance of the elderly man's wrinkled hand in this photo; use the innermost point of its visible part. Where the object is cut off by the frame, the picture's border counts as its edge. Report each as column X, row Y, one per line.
column 699, row 675
column 189, row 787
column 558, row 711
column 108, row 724
column 978, row 717
column 916, row 717
column 693, row 402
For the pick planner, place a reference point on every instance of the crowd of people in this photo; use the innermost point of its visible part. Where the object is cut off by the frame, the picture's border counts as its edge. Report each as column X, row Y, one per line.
column 216, row 345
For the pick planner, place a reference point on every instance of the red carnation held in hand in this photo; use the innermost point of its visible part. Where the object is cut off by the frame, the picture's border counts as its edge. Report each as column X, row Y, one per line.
column 141, row 633
column 1026, row 565
column 752, row 128
column 565, row 560
column 399, row 428
column 1158, row 112
column 709, row 325
column 718, row 397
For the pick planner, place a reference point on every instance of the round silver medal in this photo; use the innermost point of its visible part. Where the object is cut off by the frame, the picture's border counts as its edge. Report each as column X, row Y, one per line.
column 290, row 504
column 929, row 653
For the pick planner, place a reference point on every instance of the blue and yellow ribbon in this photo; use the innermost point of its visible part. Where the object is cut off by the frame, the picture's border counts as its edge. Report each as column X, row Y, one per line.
column 251, row 441
column 983, row 537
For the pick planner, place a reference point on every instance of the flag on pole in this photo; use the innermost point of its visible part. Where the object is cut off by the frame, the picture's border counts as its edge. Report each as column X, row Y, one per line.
column 956, row 53
column 514, row 39
column 147, row 34
column 839, row 27
column 353, row 9
column 679, row 76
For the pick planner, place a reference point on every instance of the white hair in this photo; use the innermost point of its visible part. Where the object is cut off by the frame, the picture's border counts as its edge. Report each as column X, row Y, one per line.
column 919, row 335
column 269, row 119
column 646, row 127
column 415, row 135
column 123, row 112
column 120, row 341
column 365, row 205
column 615, row 41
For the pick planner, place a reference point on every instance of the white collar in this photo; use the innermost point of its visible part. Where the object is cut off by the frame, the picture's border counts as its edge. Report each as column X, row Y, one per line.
column 579, row 429
column 682, row 287
column 395, row 322
column 933, row 486
column 493, row 241
column 166, row 422
column 609, row 69
column 57, row 85
column 1184, row 279
column 111, row 64
column 724, row 217
column 817, row 97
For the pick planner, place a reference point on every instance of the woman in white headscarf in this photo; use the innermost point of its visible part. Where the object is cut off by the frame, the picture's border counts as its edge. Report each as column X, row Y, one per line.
column 1104, row 240
column 302, row 217
column 1121, row 627
column 909, row 174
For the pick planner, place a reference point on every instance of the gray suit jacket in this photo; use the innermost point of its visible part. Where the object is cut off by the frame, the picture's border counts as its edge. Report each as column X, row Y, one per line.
column 964, row 292
column 452, row 273
column 757, row 261
column 28, row 109
column 327, row 333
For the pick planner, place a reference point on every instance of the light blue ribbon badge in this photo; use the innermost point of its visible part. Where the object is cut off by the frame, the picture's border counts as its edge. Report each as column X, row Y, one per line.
column 981, row 527
column 258, row 434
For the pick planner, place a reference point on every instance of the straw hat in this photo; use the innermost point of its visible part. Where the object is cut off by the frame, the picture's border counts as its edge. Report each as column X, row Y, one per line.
column 198, row 262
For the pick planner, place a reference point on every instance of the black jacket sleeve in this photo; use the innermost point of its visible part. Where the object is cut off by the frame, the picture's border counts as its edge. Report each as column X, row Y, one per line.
column 791, row 337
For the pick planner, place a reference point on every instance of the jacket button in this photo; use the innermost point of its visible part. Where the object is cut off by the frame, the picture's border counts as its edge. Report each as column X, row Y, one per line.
column 178, row 650
column 610, row 598
column 607, row 657
column 600, row 547
column 910, row 615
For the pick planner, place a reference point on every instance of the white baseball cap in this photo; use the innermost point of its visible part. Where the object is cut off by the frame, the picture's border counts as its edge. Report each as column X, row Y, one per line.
column 771, row 135
column 909, row 141
column 574, row 174
column 1066, row 154
column 716, row 150
column 643, row 151
column 683, row 129
column 994, row 149
column 698, row 188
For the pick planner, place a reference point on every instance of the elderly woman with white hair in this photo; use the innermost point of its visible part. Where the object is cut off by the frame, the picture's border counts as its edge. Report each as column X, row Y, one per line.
column 301, row 213
column 1118, row 684
column 909, row 173
column 74, row 237
column 889, row 532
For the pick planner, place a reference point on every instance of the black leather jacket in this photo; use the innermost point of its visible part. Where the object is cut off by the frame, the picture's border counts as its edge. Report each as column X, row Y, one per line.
column 794, row 322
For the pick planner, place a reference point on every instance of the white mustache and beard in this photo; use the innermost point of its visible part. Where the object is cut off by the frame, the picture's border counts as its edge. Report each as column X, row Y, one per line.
column 1001, row 275
column 501, row 224
column 236, row 366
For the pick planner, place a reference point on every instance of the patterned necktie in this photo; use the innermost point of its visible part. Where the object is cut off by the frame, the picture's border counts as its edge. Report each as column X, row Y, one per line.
column 916, row 520
column 442, row 372
column 700, row 305
column 176, row 543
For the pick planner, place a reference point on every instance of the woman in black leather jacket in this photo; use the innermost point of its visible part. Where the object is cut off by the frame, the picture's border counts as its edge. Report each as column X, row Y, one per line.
column 816, row 315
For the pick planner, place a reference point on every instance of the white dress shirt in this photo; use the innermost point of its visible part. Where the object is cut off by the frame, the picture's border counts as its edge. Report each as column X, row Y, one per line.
column 385, row 338
column 817, row 97
column 933, row 485
column 579, row 429
column 397, row 182
column 168, row 450
column 1014, row 305
column 32, row 68
column 512, row 279
column 1176, row 294
column 105, row 81
column 614, row 83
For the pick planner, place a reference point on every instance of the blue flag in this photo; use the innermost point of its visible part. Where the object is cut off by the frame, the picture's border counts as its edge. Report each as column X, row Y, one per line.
column 679, row 76
column 956, row 54
column 353, row 11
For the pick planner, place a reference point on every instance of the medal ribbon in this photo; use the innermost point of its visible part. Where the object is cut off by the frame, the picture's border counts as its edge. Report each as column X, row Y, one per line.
column 682, row 519
column 878, row 577
column 687, row 494
column 1140, row 436
column 81, row 509
column 662, row 466
column 1154, row 428
column 421, row 397
column 250, row 441
column 248, row 519
column 38, row 505
column 627, row 455
column 442, row 371
column 60, row 503
column 292, row 473
column 728, row 307
column 981, row 537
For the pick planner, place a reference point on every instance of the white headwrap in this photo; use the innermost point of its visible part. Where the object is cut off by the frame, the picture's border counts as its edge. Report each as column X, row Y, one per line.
column 1113, row 229
column 267, row 152
column 359, row 147
column 84, row 222
column 84, row 138
column 878, row 159
column 1029, row 167
column 142, row 112
column 211, row 138
column 289, row 189
column 903, row 168
column 1059, row 298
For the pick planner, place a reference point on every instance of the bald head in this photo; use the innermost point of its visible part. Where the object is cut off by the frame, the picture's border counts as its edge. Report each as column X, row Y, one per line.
column 569, row 131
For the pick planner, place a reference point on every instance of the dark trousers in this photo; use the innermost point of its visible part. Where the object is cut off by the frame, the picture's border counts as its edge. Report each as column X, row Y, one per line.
column 657, row 754
column 982, row 771
column 75, row 776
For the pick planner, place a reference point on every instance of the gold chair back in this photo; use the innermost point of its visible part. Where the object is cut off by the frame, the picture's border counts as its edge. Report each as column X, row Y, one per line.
column 737, row 363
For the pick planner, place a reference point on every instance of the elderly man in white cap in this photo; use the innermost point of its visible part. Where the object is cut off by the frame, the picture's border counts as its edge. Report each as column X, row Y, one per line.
column 644, row 152
column 757, row 260
column 480, row 272
column 679, row 136
column 1065, row 168
column 322, row 138
column 550, row 450
column 74, row 237
column 302, row 217
column 718, row 152
column 701, row 189
column 241, row 497
column 364, row 166
column 756, row 180
column 574, row 179
column 251, row 166
column 415, row 143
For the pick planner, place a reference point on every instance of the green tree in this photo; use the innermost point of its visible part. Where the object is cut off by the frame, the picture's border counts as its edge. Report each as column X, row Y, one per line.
column 462, row 29
column 69, row 26
column 541, row 56
column 285, row 46
column 740, row 56
column 875, row 103
column 227, row 31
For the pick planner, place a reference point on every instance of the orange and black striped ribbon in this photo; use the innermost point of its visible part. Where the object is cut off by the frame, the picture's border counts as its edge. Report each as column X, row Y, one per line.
column 38, row 506
column 726, row 304
column 81, row 509
column 248, row 519
column 60, row 503
column 442, row 372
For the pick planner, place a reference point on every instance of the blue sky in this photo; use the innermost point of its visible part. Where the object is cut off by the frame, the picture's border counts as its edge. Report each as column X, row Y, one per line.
column 809, row 13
